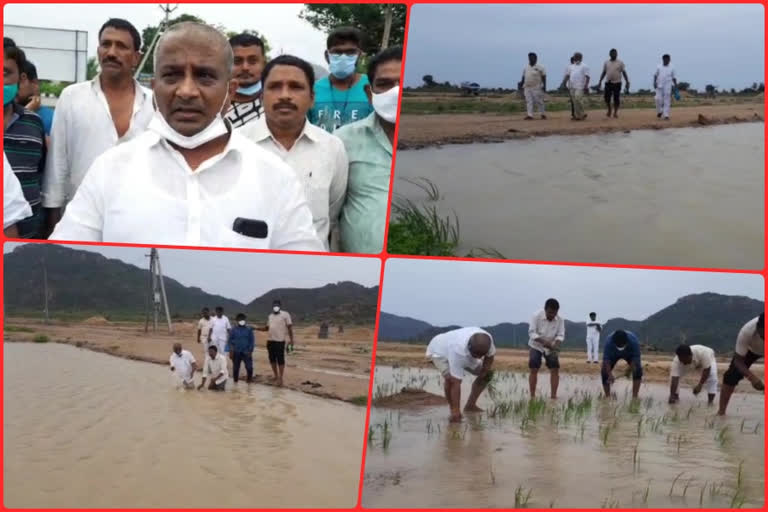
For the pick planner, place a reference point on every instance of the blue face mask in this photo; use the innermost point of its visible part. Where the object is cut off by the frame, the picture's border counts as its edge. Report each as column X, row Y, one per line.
column 341, row 66
column 9, row 93
column 251, row 90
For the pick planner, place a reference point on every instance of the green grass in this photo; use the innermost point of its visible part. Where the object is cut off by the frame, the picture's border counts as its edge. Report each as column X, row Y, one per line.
column 359, row 400
column 522, row 496
column 16, row 328
column 421, row 230
column 41, row 338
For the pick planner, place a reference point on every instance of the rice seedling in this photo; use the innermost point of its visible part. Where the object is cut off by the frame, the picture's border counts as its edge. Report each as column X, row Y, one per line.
column 647, row 492
column 611, row 502
column 604, row 433
column 552, row 504
column 425, row 184
column 739, row 475
column 492, row 475
column 757, row 427
column 370, row 435
column 688, row 414
column 737, row 501
column 741, row 430
column 422, row 230
column 701, row 494
column 634, row 457
column 640, row 427
column 522, row 497
column 386, row 434
column 687, row 484
column 672, row 489
column 722, row 436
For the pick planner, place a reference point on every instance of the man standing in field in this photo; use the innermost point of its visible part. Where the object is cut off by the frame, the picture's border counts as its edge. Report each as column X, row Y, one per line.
column 621, row 345
column 567, row 86
column 697, row 357
column 241, row 345
column 468, row 349
column 663, row 80
column 534, row 85
column 183, row 363
column 613, row 69
column 220, row 328
column 204, row 328
column 280, row 328
column 750, row 346
column 546, row 332
column 577, row 76
column 593, row 337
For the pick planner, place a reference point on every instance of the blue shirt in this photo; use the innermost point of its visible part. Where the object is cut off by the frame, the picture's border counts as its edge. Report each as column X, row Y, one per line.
column 334, row 108
column 241, row 339
column 46, row 114
column 631, row 351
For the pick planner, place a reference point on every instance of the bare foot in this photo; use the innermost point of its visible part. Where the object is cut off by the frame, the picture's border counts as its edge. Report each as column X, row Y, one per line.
column 280, row 382
column 455, row 418
column 472, row 408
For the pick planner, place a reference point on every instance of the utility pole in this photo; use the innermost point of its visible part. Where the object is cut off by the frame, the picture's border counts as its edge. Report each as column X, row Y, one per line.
column 387, row 26
column 156, row 297
column 167, row 9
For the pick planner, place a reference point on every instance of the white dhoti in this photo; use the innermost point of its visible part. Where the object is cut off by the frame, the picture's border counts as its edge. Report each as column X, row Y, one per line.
column 664, row 100
column 534, row 98
column 711, row 384
column 221, row 344
column 592, row 344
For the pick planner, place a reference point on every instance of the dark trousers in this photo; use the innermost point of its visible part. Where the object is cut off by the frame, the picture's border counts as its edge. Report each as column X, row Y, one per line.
column 612, row 91
column 245, row 357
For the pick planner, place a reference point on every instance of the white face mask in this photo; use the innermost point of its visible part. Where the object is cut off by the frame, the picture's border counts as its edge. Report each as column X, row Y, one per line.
column 385, row 104
column 241, row 322
column 215, row 129
column 276, row 309
column 621, row 348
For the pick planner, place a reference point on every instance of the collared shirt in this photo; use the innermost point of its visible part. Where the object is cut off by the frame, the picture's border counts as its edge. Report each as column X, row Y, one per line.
column 241, row 339
column 364, row 214
column 664, row 76
column 592, row 328
column 182, row 364
column 216, row 366
column 82, row 130
column 454, row 346
column 242, row 113
column 204, row 326
column 220, row 328
column 540, row 327
column 578, row 74
column 703, row 358
column 15, row 207
column 24, row 146
column 334, row 108
column 613, row 70
column 533, row 76
column 143, row 191
column 630, row 351
column 278, row 324
column 319, row 161
column 749, row 340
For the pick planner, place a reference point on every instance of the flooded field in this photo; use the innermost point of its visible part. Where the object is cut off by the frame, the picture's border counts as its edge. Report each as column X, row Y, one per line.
column 578, row 451
column 681, row 197
column 84, row 430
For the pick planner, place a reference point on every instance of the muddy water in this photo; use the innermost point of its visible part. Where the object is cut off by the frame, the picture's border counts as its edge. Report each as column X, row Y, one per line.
column 682, row 197
column 83, row 429
column 482, row 462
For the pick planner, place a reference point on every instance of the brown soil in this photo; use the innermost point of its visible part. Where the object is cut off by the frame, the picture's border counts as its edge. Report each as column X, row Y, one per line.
column 96, row 320
column 314, row 362
column 419, row 131
column 409, row 397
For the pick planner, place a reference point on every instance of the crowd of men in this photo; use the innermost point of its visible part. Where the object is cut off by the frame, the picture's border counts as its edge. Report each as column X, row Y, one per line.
column 217, row 335
column 472, row 350
column 577, row 79
column 228, row 148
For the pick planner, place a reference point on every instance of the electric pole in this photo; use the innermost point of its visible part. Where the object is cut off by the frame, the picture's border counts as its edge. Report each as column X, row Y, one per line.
column 167, row 9
column 156, row 298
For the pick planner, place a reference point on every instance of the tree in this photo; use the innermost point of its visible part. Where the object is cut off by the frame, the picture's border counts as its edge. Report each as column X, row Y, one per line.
column 148, row 35
column 429, row 81
column 710, row 89
column 92, row 68
column 267, row 48
column 683, row 86
column 369, row 18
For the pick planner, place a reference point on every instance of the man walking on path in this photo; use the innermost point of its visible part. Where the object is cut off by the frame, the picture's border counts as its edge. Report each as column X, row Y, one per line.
column 663, row 80
column 613, row 69
column 534, row 84
column 577, row 77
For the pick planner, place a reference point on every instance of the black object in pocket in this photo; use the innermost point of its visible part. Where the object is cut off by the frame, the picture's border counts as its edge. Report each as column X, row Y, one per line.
column 250, row 228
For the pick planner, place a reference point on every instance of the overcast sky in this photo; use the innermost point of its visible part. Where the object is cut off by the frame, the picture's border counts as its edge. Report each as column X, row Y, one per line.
column 709, row 44
column 484, row 294
column 279, row 23
column 245, row 276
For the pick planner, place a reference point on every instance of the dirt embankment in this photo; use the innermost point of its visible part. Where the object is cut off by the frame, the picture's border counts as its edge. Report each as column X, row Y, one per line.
column 337, row 368
column 424, row 130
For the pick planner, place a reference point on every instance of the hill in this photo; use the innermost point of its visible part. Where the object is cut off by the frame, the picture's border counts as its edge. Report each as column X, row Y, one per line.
column 83, row 283
column 708, row 318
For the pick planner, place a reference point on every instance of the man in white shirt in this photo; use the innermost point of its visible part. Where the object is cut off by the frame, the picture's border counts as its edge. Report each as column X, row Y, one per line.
column 204, row 328
column 188, row 180
column 469, row 349
column 220, row 328
column 663, row 80
column 546, row 332
column 280, row 328
column 15, row 207
column 96, row 115
column 750, row 346
column 215, row 368
column 577, row 78
column 317, row 157
column 184, row 365
column 593, row 337
column 697, row 357
column 534, row 83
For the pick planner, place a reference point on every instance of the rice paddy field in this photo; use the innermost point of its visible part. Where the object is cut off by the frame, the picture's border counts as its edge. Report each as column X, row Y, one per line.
column 577, row 451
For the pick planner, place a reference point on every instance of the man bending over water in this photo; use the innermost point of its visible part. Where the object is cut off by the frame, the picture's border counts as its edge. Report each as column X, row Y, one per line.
column 697, row 357
column 184, row 364
column 215, row 367
column 621, row 345
column 750, row 346
column 468, row 349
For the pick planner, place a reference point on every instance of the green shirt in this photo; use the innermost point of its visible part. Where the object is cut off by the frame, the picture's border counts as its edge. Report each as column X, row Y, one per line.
column 364, row 214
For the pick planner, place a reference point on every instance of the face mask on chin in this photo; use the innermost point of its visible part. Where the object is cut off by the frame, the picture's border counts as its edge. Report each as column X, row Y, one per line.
column 214, row 130
column 385, row 104
column 251, row 90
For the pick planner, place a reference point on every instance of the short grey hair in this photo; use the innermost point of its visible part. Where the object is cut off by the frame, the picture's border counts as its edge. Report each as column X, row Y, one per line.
column 202, row 28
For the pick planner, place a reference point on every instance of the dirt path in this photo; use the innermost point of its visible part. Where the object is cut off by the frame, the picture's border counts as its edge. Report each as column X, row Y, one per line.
column 419, row 131
column 337, row 368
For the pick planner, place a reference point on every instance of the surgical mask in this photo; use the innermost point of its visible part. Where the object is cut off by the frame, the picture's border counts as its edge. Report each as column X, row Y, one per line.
column 241, row 322
column 385, row 104
column 621, row 348
column 251, row 90
column 9, row 93
column 215, row 129
column 341, row 66
column 276, row 309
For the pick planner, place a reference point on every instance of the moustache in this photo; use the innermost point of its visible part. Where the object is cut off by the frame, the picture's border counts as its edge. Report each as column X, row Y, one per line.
column 111, row 60
column 285, row 104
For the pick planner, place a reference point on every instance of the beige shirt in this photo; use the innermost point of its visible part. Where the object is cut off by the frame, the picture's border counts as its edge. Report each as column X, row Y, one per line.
column 540, row 327
column 204, row 326
column 214, row 367
column 703, row 358
column 749, row 340
column 278, row 326
column 533, row 76
column 613, row 70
